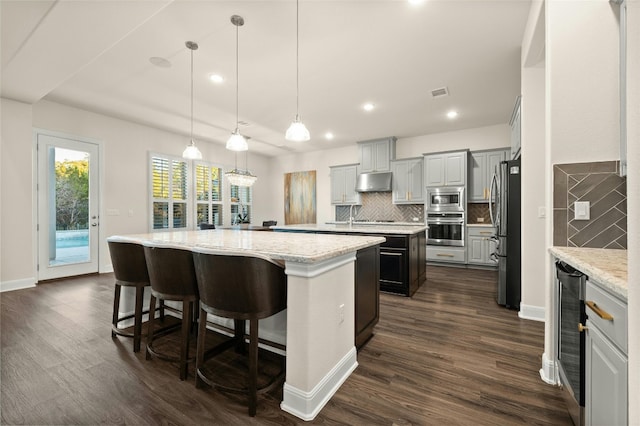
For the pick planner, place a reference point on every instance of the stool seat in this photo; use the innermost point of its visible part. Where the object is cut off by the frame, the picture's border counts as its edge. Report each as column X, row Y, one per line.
column 241, row 287
column 172, row 277
column 130, row 270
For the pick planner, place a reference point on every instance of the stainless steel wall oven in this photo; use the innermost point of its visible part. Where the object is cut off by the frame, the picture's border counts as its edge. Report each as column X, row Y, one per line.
column 445, row 229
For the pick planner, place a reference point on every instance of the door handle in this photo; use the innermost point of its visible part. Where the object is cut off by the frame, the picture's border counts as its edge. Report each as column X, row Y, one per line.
column 94, row 224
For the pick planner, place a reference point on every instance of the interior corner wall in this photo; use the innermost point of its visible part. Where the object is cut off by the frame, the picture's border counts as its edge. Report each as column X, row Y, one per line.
column 17, row 244
column 633, row 206
column 534, row 247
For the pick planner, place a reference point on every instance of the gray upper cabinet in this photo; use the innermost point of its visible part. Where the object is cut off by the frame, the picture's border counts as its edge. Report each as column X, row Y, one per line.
column 515, row 130
column 482, row 166
column 376, row 155
column 343, row 184
column 446, row 169
column 407, row 181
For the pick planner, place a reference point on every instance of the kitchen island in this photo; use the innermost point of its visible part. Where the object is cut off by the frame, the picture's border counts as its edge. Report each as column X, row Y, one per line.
column 320, row 271
column 402, row 255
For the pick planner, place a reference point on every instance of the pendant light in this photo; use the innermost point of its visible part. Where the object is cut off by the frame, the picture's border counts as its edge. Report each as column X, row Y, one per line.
column 297, row 131
column 236, row 141
column 192, row 152
column 239, row 177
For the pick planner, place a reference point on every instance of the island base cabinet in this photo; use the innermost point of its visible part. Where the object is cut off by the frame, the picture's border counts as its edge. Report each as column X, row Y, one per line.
column 367, row 293
column 606, row 381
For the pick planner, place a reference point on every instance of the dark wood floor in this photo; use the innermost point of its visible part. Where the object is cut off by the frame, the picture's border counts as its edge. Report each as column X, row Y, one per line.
column 447, row 356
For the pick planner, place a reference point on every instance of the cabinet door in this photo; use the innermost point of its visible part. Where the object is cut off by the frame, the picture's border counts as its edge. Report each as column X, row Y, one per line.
column 515, row 131
column 434, row 170
column 475, row 252
column 382, row 156
column 478, row 176
column 606, row 381
column 367, row 157
column 493, row 161
column 415, row 181
column 455, row 168
column 400, row 171
column 337, row 185
column 350, row 176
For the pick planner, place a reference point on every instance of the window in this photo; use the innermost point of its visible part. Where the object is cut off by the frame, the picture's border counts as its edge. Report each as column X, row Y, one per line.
column 240, row 204
column 169, row 192
column 208, row 188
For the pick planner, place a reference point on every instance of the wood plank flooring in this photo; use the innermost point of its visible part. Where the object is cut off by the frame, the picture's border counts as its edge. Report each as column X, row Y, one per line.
column 448, row 356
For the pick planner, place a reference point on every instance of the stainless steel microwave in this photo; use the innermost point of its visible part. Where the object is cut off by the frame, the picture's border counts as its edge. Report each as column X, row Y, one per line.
column 445, row 199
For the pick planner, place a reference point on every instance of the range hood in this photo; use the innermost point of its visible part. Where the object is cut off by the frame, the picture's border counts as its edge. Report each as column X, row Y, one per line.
column 374, row 182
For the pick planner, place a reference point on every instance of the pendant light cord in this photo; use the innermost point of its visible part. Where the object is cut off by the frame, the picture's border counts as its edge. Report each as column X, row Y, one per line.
column 237, row 80
column 191, row 95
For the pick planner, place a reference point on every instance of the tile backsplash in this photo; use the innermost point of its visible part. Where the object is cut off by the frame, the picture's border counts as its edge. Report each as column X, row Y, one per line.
column 379, row 206
column 478, row 213
column 600, row 184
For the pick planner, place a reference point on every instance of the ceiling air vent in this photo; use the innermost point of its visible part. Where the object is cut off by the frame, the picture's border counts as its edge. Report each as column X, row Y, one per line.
column 438, row 93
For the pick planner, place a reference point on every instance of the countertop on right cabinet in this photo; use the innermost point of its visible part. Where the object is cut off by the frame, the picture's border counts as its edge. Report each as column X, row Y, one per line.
column 606, row 266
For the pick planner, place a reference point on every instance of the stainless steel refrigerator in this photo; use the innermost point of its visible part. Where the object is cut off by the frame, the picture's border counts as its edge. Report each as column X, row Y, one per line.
column 505, row 216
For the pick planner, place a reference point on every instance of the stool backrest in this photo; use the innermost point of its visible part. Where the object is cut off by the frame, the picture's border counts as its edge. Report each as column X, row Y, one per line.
column 270, row 223
column 171, row 271
column 204, row 225
column 240, row 287
column 128, row 262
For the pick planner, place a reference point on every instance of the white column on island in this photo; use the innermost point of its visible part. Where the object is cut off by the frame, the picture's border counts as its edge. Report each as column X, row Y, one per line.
column 321, row 353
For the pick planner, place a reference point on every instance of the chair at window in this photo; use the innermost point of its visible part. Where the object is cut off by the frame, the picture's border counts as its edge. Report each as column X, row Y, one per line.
column 204, row 225
column 172, row 277
column 130, row 270
column 241, row 287
column 270, row 223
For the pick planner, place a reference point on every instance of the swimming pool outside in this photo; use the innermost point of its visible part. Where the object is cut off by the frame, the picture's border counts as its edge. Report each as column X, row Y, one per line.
column 71, row 247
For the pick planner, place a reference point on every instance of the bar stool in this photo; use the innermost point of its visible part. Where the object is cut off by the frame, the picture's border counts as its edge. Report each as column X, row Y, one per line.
column 130, row 270
column 172, row 277
column 241, row 287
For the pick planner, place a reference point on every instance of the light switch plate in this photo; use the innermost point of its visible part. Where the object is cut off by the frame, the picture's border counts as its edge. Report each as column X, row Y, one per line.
column 581, row 210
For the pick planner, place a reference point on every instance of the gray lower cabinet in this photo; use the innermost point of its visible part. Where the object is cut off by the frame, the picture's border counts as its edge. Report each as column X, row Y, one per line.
column 606, row 367
column 480, row 245
column 446, row 254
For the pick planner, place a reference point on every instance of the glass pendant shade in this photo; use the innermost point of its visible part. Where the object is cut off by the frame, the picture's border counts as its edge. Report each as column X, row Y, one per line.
column 240, row 177
column 191, row 152
column 237, row 142
column 297, row 131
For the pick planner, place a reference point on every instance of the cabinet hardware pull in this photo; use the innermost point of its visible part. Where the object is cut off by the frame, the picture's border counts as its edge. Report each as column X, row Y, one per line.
column 485, row 233
column 582, row 328
column 444, row 255
column 601, row 313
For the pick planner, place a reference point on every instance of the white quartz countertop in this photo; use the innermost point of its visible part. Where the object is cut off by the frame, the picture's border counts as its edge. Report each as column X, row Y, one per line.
column 369, row 228
column 301, row 248
column 606, row 266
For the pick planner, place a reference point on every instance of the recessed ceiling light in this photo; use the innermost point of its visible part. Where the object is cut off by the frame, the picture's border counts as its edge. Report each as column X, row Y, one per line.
column 416, row 2
column 160, row 62
column 368, row 106
column 452, row 114
column 329, row 136
column 216, row 78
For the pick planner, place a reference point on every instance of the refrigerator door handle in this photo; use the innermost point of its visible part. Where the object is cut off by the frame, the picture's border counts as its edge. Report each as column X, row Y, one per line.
column 494, row 183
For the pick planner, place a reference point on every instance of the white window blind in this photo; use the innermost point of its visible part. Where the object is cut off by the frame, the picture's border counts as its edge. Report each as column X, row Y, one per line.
column 208, row 194
column 169, row 192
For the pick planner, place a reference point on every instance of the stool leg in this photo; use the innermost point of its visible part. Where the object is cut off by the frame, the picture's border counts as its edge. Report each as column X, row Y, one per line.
column 152, row 314
column 116, row 308
column 202, row 333
column 161, row 309
column 184, row 349
column 239, row 329
column 253, row 366
column 137, row 324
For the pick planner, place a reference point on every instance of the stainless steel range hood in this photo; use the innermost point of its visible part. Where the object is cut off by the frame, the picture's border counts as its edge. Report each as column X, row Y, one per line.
column 374, row 182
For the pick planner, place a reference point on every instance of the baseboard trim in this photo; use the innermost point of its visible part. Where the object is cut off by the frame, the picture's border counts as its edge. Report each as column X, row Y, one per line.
column 307, row 405
column 530, row 312
column 548, row 372
column 17, row 284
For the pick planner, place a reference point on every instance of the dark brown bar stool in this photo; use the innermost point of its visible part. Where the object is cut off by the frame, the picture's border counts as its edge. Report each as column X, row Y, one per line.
column 130, row 270
column 241, row 287
column 172, row 277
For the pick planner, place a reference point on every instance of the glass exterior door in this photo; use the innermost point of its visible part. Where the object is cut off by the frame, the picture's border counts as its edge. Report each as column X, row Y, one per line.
column 68, row 220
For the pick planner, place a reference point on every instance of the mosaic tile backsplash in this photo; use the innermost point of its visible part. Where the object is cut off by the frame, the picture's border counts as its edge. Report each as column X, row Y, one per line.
column 476, row 211
column 600, row 184
column 379, row 206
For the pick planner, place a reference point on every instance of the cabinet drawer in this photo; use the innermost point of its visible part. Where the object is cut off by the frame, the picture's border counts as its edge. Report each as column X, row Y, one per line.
column 394, row 241
column 481, row 231
column 446, row 254
column 614, row 328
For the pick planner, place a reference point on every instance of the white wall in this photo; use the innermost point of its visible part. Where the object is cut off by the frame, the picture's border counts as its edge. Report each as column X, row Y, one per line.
column 534, row 244
column 633, row 192
column 17, row 241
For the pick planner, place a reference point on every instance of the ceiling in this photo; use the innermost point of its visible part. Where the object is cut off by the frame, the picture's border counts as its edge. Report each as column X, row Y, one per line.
column 95, row 55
